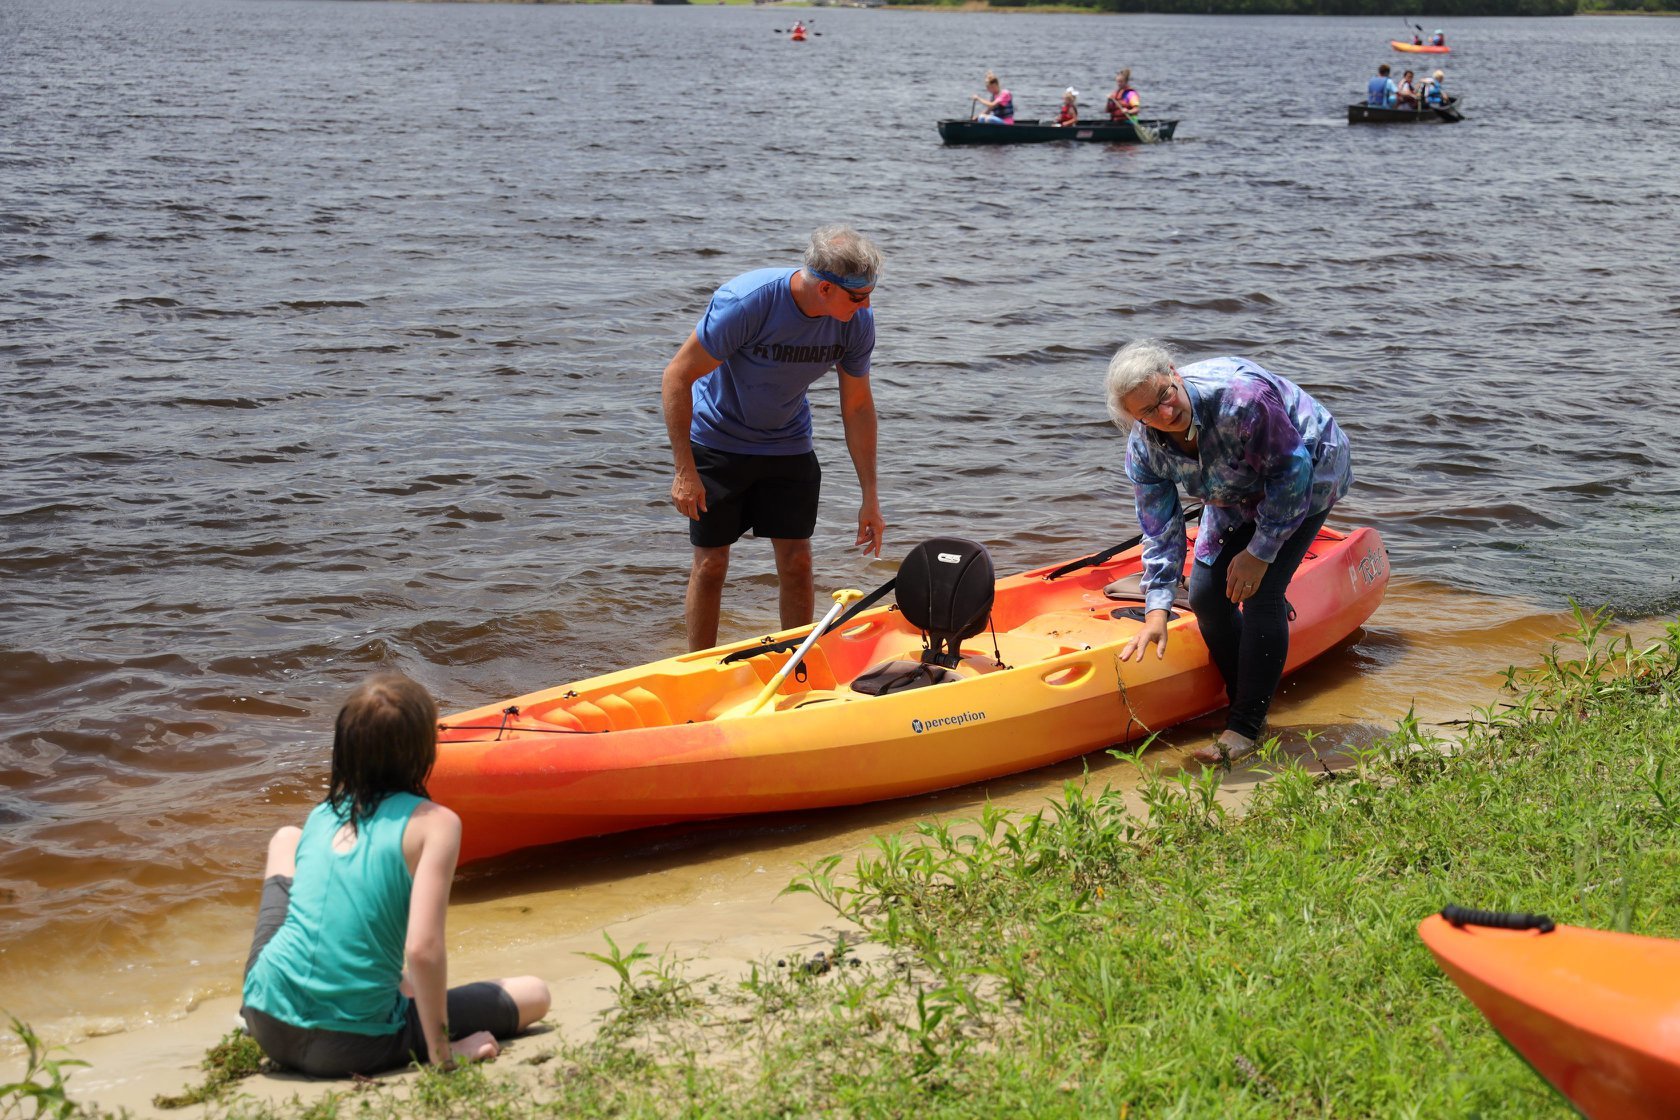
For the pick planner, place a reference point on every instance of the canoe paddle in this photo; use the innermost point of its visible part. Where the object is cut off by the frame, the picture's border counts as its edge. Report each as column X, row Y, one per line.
column 841, row 599
column 1144, row 132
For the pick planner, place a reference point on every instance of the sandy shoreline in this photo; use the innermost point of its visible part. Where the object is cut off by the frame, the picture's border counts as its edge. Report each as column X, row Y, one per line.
column 712, row 897
column 729, row 936
column 714, row 903
column 735, row 919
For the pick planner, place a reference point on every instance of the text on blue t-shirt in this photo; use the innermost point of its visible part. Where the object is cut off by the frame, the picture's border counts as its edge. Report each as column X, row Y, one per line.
column 771, row 352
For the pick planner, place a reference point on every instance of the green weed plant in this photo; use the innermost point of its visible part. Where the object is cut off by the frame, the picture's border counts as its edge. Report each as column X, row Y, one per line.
column 235, row 1057
column 42, row 1091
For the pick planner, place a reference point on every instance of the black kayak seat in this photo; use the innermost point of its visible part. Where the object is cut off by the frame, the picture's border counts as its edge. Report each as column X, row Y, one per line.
column 944, row 588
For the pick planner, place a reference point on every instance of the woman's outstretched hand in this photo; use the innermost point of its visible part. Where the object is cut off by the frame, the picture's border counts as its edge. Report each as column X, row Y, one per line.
column 1154, row 630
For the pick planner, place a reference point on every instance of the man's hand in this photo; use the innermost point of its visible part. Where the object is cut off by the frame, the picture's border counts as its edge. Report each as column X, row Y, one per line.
column 872, row 528
column 1154, row 630
column 688, row 494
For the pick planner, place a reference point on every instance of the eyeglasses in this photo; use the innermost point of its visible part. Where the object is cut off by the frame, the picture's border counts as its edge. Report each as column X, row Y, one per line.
column 1146, row 414
column 855, row 297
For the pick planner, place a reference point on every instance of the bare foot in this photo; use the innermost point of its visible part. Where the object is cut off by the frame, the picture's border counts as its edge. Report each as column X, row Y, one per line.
column 1228, row 748
column 478, row 1047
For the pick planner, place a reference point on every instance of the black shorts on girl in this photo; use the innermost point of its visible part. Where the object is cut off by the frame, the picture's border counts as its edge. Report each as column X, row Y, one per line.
column 770, row 495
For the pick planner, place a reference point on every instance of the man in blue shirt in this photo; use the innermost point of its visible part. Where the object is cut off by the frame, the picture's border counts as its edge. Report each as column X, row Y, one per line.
column 740, row 424
column 1380, row 91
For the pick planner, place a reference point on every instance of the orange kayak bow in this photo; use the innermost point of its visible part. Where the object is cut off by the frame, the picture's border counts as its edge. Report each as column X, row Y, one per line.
column 1597, row 1014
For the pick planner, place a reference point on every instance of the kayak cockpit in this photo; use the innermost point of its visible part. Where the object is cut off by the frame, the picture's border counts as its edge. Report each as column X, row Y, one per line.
column 952, row 623
column 696, row 688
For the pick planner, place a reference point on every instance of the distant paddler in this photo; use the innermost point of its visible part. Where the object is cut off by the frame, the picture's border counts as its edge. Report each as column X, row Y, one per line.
column 1069, row 114
column 740, row 425
column 999, row 102
column 1123, row 104
column 1380, row 91
column 1268, row 462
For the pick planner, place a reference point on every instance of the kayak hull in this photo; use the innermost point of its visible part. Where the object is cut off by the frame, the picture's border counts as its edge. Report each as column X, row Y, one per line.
column 1450, row 113
column 1597, row 1014
column 1417, row 48
column 1035, row 132
column 662, row 743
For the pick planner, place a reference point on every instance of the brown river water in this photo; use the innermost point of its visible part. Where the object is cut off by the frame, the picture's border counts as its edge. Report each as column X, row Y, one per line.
column 330, row 338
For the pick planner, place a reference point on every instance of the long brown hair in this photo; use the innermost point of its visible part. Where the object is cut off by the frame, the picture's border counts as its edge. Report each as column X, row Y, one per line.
column 384, row 742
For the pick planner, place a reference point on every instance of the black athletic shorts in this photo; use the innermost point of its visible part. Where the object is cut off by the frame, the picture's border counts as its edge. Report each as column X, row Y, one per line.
column 770, row 495
column 322, row 1053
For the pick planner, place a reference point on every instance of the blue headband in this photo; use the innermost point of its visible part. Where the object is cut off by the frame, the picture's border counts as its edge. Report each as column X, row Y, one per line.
column 851, row 282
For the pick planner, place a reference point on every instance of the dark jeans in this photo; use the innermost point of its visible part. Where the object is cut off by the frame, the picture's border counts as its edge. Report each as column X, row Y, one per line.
column 1250, row 643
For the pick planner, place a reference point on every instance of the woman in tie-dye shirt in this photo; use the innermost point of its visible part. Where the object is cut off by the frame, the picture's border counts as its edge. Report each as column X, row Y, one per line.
column 1268, row 462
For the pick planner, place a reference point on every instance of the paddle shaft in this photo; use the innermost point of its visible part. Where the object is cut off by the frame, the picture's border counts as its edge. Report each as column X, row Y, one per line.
column 841, row 598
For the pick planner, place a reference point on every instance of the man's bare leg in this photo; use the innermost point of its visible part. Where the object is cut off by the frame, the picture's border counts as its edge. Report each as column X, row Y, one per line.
column 793, row 571
column 705, row 596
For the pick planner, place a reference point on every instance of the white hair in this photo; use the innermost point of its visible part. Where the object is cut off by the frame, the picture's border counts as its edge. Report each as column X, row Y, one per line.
column 842, row 250
column 1135, row 365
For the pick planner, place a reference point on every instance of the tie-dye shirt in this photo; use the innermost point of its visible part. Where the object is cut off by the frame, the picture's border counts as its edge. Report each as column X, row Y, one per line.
column 1267, row 453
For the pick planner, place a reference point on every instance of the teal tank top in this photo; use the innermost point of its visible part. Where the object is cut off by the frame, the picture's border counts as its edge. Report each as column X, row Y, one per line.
column 336, row 961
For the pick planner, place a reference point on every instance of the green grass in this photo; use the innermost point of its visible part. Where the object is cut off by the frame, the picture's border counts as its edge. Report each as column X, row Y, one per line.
column 43, row 1088
column 1087, row 960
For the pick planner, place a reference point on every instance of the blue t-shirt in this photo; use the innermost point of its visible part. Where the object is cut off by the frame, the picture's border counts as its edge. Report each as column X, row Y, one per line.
column 754, row 403
column 1381, row 93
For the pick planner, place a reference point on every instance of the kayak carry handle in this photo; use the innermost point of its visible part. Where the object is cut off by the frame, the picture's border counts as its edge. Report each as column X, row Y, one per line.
column 1461, row 916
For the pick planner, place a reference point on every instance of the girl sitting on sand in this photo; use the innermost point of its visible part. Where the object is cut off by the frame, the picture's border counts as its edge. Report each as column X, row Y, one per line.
column 361, row 887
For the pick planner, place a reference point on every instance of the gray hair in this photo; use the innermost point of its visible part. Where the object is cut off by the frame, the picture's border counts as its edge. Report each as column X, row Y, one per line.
column 843, row 251
column 1134, row 366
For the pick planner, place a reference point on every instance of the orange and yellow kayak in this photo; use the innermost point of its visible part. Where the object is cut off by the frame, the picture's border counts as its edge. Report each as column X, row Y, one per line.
column 1597, row 1014
column 666, row 742
column 1418, row 48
